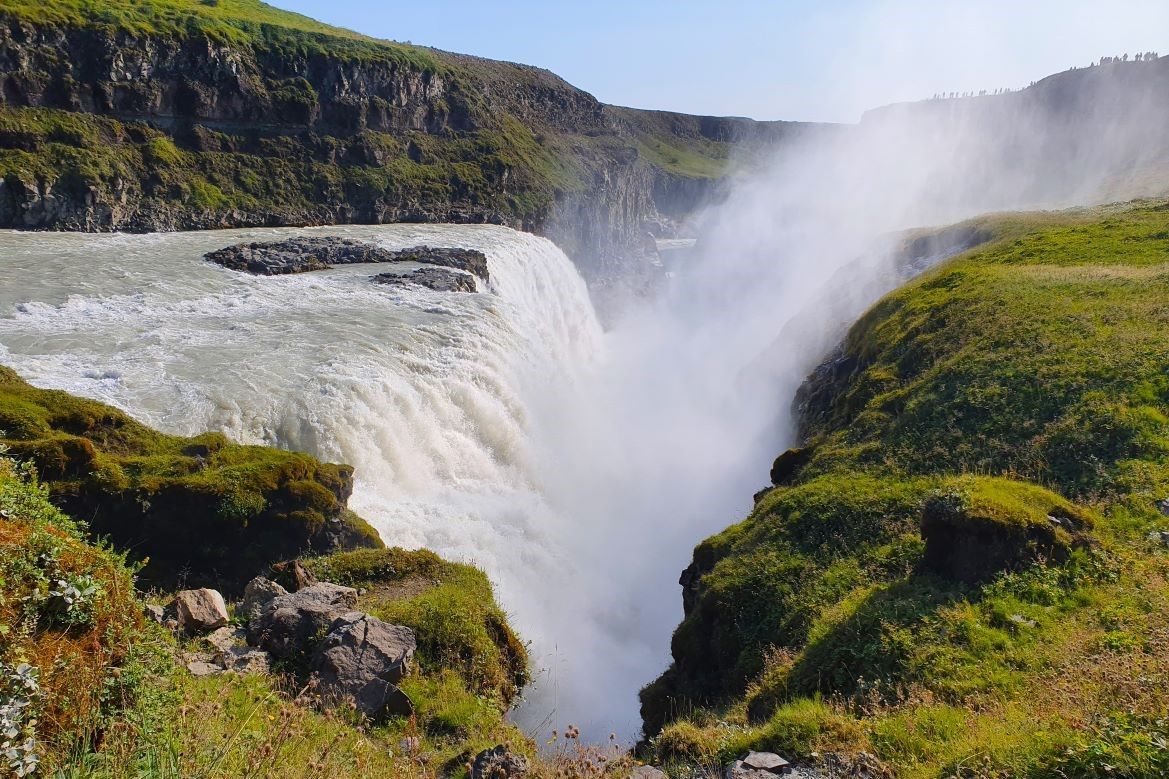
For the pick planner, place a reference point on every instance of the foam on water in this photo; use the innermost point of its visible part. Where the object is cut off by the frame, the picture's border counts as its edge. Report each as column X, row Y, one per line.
column 427, row 394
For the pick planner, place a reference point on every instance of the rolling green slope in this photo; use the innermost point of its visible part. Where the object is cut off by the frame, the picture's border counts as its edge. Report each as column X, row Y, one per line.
column 962, row 570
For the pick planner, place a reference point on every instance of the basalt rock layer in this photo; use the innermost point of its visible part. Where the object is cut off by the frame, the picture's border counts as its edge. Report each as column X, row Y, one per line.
column 189, row 115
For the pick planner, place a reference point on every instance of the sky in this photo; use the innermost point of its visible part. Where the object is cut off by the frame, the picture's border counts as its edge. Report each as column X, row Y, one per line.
column 810, row 60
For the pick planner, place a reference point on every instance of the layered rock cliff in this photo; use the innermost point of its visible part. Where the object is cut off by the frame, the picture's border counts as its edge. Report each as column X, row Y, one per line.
column 198, row 115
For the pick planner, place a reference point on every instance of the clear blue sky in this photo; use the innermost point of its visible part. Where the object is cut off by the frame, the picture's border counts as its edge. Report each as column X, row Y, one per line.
column 769, row 59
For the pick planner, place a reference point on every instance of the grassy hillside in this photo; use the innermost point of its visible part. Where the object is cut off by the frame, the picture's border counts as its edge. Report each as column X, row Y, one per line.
column 242, row 22
column 92, row 690
column 962, row 571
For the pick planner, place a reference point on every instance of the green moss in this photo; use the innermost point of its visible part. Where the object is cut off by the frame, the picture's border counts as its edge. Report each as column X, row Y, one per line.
column 220, row 511
column 451, row 608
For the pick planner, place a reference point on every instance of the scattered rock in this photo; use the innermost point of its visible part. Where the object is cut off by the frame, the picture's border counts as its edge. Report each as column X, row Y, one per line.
column 292, row 575
column 1163, row 506
column 1022, row 621
column 301, row 255
column 154, row 613
column 499, row 763
column 257, row 594
column 289, row 624
column 200, row 611
column 860, row 765
column 202, row 668
column 228, row 653
column 363, row 658
column 242, row 660
column 647, row 772
column 437, row 279
column 766, row 761
column 225, row 638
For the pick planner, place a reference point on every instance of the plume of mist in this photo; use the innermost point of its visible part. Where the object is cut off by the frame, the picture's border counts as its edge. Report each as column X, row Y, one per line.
column 678, row 427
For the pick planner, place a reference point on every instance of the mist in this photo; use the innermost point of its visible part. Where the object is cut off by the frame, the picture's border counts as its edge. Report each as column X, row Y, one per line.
column 668, row 439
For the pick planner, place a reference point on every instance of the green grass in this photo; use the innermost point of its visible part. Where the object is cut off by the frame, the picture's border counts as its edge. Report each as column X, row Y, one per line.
column 451, row 608
column 219, row 510
column 238, row 22
column 958, row 574
column 112, row 699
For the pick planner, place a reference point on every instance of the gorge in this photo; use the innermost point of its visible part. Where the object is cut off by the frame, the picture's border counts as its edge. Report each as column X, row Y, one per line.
column 895, row 303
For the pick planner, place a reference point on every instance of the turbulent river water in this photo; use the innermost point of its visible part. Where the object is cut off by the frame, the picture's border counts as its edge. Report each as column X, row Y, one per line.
column 501, row 428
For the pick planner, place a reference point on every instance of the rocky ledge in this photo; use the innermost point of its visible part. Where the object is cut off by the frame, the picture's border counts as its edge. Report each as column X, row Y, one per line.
column 438, row 279
column 301, row 255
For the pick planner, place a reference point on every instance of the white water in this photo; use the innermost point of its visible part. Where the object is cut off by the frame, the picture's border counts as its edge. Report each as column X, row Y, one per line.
column 503, row 428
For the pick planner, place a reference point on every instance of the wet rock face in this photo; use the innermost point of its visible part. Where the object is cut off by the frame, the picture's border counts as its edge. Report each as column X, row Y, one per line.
column 297, row 255
column 437, row 279
column 469, row 260
column 301, row 255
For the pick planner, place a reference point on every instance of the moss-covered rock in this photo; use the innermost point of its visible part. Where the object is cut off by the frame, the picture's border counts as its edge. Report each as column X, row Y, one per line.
column 203, row 506
column 979, row 528
column 450, row 607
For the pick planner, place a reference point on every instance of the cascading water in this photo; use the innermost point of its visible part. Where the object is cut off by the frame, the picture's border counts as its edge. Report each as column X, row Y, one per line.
column 577, row 468
column 428, row 394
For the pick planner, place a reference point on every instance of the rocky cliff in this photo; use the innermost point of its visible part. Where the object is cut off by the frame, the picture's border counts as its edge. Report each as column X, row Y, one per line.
column 190, row 115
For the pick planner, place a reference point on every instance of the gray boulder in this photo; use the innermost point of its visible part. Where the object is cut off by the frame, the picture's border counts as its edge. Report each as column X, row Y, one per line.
column 199, row 611
column 258, row 593
column 362, row 659
column 289, row 625
column 499, row 763
column 648, row 772
column 759, row 765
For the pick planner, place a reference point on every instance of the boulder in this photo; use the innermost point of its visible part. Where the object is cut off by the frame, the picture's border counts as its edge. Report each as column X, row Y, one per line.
column 200, row 611
column 766, row 761
column 154, row 613
column 257, row 594
column 289, row 625
column 362, row 659
column 499, row 763
column 759, row 765
column 647, row 772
